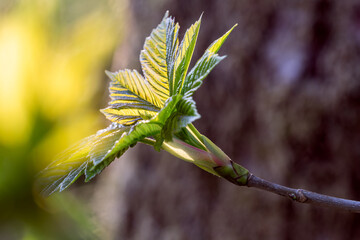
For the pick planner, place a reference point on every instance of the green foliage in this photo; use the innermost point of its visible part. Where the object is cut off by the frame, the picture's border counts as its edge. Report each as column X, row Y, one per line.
column 158, row 105
column 81, row 158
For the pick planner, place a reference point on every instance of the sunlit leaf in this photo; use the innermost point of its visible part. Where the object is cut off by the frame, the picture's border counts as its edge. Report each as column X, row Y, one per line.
column 136, row 133
column 185, row 113
column 158, row 105
column 204, row 66
column 184, row 55
column 216, row 45
column 72, row 163
column 157, row 57
column 96, row 152
column 132, row 98
column 201, row 69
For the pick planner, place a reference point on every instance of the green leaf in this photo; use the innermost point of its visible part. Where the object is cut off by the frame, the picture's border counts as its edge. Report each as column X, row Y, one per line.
column 184, row 114
column 184, row 55
column 157, row 57
column 172, row 44
column 73, row 162
column 216, row 45
column 158, row 105
column 204, row 66
column 197, row 74
column 132, row 98
column 144, row 128
column 100, row 156
column 138, row 132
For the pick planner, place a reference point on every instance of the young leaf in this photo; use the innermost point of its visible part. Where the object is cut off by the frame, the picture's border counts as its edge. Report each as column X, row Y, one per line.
column 172, row 44
column 157, row 57
column 131, row 98
column 72, row 163
column 184, row 55
column 197, row 74
column 204, row 66
column 185, row 113
column 216, row 45
column 158, row 105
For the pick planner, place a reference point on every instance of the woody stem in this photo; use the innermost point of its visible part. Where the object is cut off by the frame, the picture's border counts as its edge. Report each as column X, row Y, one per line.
column 304, row 196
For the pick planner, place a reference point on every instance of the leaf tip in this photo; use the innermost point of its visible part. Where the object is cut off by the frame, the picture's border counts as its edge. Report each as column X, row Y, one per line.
column 229, row 31
column 232, row 28
column 166, row 15
column 201, row 16
column 109, row 74
column 103, row 111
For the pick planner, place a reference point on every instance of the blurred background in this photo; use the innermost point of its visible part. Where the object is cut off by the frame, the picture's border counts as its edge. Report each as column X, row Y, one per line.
column 285, row 103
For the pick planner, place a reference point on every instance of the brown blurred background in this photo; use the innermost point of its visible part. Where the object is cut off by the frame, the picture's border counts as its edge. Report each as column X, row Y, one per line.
column 285, row 103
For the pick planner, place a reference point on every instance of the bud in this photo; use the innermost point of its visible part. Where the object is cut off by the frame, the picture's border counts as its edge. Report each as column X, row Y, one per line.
column 212, row 159
column 203, row 159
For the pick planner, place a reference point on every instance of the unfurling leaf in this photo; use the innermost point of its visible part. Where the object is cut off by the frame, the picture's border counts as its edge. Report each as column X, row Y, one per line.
column 204, row 65
column 184, row 55
column 158, row 104
column 132, row 98
column 157, row 58
column 76, row 160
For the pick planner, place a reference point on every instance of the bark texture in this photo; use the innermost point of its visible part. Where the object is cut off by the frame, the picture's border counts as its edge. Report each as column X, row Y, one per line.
column 285, row 104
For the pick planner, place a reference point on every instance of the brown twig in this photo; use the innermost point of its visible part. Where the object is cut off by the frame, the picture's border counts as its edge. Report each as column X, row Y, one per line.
column 303, row 196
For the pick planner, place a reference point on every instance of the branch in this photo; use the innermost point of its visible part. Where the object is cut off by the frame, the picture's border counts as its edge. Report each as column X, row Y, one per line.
column 240, row 176
column 303, row 196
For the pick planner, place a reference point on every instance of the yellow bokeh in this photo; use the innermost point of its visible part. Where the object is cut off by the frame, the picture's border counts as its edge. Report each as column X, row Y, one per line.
column 53, row 54
column 53, row 68
column 14, row 119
